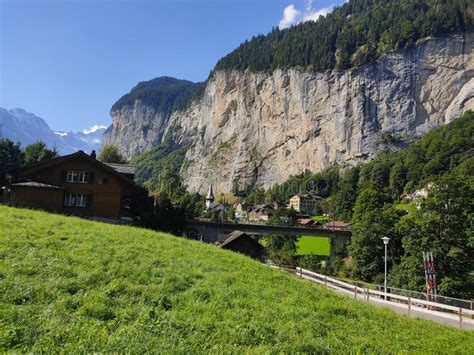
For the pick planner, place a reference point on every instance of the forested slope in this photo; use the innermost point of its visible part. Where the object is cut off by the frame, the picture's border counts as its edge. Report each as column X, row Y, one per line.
column 356, row 33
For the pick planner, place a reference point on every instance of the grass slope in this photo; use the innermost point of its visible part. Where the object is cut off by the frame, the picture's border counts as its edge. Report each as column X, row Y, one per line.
column 72, row 285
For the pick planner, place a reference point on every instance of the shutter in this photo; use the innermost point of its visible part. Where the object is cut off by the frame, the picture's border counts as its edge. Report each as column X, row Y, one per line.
column 89, row 201
column 63, row 175
column 91, row 177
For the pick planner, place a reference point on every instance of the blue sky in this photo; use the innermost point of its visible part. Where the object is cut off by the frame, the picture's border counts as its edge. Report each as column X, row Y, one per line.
column 68, row 61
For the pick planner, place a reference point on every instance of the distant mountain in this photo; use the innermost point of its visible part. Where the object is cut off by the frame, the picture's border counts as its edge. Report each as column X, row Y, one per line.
column 24, row 127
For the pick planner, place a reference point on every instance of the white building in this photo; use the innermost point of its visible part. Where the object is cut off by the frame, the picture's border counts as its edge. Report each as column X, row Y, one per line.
column 210, row 198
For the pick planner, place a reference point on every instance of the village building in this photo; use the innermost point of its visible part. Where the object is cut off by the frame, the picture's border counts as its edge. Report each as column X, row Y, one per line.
column 337, row 225
column 210, row 204
column 78, row 184
column 303, row 203
column 241, row 242
column 240, row 211
column 307, row 222
column 418, row 196
column 261, row 213
column 210, row 198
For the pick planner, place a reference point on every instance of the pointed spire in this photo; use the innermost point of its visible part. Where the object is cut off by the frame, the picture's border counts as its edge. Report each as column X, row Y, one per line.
column 210, row 194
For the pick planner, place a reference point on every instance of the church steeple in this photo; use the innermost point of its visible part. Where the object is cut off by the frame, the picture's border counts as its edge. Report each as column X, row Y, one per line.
column 210, row 198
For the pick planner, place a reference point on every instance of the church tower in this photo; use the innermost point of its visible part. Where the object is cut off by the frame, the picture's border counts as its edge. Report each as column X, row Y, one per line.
column 210, row 198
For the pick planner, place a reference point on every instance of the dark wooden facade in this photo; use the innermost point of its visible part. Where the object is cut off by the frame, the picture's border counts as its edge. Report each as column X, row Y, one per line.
column 241, row 242
column 75, row 184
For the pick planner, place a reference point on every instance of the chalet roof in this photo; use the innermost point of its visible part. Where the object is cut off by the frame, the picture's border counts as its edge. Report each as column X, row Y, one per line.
column 36, row 184
column 314, row 197
column 122, row 168
column 305, row 221
column 233, row 236
column 337, row 224
column 263, row 208
column 80, row 154
column 218, row 207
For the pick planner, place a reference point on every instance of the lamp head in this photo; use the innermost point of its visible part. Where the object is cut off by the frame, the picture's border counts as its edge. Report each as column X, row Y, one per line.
column 385, row 240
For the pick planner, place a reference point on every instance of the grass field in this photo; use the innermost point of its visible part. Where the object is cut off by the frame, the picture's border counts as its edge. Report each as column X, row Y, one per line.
column 313, row 245
column 321, row 219
column 70, row 285
column 410, row 207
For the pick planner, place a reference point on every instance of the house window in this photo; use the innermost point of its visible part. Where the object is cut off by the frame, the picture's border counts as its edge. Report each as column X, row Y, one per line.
column 69, row 200
column 83, row 177
column 81, row 200
column 72, row 200
column 72, row 176
column 78, row 176
column 103, row 181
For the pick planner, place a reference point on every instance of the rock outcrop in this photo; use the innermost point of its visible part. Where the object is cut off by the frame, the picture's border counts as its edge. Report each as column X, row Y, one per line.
column 261, row 128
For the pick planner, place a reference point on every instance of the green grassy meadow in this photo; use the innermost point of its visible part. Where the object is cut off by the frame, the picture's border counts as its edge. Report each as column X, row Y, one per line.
column 321, row 219
column 71, row 285
column 410, row 207
column 313, row 245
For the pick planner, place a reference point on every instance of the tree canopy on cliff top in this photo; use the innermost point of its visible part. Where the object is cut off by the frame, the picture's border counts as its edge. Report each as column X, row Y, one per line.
column 356, row 33
column 165, row 94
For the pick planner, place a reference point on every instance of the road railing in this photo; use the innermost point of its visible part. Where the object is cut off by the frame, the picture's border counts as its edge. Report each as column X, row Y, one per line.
column 409, row 303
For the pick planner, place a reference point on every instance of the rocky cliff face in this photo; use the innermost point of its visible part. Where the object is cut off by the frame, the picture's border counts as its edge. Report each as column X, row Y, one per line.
column 261, row 128
column 136, row 128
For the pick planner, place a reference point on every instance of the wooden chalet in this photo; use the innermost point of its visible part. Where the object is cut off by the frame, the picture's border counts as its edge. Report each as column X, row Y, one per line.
column 78, row 184
column 241, row 242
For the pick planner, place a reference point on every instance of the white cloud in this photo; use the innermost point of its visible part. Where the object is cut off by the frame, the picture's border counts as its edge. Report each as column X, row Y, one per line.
column 290, row 16
column 293, row 16
column 93, row 129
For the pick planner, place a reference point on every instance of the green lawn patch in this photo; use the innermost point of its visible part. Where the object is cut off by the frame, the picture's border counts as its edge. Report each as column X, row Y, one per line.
column 71, row 285
column 313, row 245
column 410, row 207
column 321, row 219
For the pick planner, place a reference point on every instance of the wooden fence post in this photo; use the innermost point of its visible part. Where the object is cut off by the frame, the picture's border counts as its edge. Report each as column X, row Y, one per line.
column 355, row 291
column 409, row 305
column 460, row 317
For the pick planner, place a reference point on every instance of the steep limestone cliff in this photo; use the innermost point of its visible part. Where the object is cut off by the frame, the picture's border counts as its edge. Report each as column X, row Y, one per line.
column 260, row 128
column 140, row 117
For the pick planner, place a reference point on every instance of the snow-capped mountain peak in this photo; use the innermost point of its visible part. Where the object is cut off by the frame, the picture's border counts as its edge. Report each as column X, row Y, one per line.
column 26, row 128
column 94, row 129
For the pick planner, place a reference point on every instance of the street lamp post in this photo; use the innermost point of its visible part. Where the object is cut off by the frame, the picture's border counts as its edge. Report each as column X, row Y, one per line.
column 385, row 242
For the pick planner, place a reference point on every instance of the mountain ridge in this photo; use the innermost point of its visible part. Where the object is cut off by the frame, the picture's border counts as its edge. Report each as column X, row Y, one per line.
column 19, row 125
column 391, row 69
column 292, row 120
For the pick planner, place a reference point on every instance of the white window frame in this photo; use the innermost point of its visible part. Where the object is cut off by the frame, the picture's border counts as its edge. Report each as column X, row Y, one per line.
column 83, row 177
column 81, row 200
column 69, row 200
column 73, row 200
column 72, row 176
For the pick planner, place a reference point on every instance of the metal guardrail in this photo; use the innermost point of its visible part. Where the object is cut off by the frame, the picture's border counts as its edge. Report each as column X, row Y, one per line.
column 451, row 301
column 410, row 303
